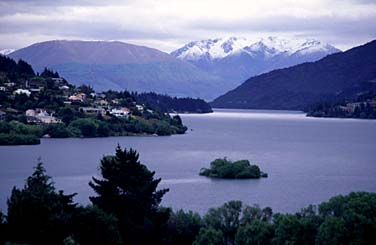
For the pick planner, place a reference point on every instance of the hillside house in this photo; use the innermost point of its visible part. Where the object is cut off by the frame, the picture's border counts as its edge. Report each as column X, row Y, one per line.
column 93, row 111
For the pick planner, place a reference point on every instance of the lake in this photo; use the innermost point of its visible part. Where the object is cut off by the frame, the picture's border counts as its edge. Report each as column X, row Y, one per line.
column 308, row 159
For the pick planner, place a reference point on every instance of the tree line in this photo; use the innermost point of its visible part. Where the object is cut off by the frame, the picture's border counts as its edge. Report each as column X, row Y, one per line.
column 126, row 210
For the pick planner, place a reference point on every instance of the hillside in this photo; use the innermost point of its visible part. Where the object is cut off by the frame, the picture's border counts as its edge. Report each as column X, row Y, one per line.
column 337, row 76
column 119, row 66
column 236, row 59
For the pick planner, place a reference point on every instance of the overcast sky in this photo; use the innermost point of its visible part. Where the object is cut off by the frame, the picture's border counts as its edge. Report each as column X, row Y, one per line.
column 169, row 24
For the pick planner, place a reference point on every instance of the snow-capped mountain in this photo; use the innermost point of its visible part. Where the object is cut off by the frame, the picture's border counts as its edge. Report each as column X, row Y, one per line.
column 236, row 59
column 220, row 48
column 6, row 51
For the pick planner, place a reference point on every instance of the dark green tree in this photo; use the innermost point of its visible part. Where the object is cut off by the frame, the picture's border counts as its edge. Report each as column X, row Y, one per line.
column 129, row 191
column 225, row 218
column 254, row 233
column 25, row 69
column 38, row 214
column 92, row 225
column 210, row 236
column 183, row 227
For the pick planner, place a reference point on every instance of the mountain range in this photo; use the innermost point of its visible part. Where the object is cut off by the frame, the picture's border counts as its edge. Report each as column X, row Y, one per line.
column 119, row 66
column 204, row 69
column 335, row 77
column 236, row 59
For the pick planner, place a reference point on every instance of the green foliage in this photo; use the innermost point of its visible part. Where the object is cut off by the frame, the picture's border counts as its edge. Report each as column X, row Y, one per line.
column 17, row 133
column 354, row 214
column 223, row 168
column 225, row 218
column 18, row 139
column 209, row 236
column 254, row 233
column 47, row 73
column 362, row 106
column 169, row 104
column 129, row 191
column 86, row 89
column 183, row 227
column 59, row 130
column 38, row 214
column 289, row 230
column 332, row 231
column 87, row 126
column 92, row 225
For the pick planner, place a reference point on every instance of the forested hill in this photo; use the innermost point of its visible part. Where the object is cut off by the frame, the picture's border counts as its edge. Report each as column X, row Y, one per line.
column 173, row 104
column 333, row 78
column 363, row 106
column 34, row 105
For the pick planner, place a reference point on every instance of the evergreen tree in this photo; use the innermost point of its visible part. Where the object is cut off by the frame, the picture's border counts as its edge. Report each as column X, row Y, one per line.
column 25, row 69
column 129, row 191
column 47, row 73
column 38, row 214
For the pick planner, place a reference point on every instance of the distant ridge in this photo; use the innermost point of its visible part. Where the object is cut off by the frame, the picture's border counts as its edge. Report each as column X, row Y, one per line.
column 117, row 65
column 336, row 76
column 89, row 52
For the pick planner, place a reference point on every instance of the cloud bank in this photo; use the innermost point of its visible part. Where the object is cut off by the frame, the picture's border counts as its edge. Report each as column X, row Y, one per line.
column 168, row 24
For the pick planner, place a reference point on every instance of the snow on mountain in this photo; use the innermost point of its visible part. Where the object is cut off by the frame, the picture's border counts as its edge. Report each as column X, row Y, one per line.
column 220, row 48
column 6, row 51
column 236, row 59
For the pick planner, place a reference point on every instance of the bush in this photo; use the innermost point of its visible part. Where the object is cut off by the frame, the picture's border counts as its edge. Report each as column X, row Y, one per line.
column 18, row 139
column 87, row 126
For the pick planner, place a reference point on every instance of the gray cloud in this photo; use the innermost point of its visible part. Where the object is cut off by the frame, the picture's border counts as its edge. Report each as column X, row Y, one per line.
column 167, row 25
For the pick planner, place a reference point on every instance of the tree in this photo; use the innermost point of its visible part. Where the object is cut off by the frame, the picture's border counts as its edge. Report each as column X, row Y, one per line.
column 25, row 69
column 92, row 225
column 47, row 73
column 183, row 227
column 332, row 231
column 256, row 232
column 87, row 126
column 129, row 191
column 209, row 236
column 225, row 218
column 290, row 229
column 38, row 214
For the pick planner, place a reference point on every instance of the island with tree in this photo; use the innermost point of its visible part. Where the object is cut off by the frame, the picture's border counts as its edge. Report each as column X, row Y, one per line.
column 226, row 169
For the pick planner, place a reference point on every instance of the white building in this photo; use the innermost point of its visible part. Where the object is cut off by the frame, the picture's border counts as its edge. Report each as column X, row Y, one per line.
column 119, row 112
column 22, row 91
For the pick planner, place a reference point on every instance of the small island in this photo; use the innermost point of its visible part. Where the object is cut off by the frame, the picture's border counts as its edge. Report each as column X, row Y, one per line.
column 226, row 169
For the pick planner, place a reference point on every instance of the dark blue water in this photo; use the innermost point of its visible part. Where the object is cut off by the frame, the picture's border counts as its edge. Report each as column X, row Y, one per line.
column 308, row 159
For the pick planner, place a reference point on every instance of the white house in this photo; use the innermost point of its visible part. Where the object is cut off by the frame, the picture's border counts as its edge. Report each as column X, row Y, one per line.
column 119, row 112
column 22, row 91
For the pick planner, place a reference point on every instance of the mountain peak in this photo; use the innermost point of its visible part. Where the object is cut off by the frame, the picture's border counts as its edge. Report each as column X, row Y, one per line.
column 219, row 48
column 6, row 51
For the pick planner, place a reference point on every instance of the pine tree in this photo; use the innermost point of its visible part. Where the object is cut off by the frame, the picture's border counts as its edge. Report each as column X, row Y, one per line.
column 129, row 191
column 38, row 214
